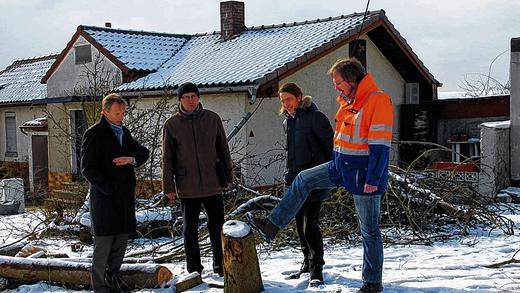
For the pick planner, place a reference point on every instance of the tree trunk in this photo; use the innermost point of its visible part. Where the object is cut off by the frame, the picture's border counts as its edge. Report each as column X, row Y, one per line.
column 66, row 272
column 241, row 268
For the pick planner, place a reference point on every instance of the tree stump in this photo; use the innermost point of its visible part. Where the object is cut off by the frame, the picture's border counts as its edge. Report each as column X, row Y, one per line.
column 241, row 268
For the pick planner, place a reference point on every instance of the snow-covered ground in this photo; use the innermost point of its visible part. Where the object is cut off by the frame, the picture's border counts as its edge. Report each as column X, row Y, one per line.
column 453, row 266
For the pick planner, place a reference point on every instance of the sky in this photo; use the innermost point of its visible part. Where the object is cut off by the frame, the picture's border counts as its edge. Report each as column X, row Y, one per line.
column 451, row 37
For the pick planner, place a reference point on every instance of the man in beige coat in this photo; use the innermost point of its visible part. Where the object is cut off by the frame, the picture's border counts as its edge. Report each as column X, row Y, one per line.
column 197, row 168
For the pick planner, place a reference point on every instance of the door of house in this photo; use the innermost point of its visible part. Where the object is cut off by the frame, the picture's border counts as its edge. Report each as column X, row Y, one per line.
column 40, row 164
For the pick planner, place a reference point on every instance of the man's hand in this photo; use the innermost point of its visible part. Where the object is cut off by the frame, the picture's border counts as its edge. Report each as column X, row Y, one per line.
column 370, row 188
column 121, row 161
column 171, row 195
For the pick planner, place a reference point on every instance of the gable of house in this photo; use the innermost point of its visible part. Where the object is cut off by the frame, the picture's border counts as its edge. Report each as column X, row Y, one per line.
column 133, row 53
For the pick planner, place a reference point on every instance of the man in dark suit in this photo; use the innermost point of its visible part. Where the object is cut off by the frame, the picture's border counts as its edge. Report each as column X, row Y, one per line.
column 109, row 155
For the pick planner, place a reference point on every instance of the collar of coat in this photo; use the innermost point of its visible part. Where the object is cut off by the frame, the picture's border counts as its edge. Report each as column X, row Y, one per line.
column 191, row 115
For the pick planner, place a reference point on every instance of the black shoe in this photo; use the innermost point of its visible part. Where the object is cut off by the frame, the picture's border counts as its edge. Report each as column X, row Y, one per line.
column 303, row 269
column 371, row 288
column 263, row 226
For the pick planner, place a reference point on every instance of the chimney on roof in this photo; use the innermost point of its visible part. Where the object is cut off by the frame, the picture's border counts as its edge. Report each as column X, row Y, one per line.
column 232, row 20
column 514, row 111
column 108, row 24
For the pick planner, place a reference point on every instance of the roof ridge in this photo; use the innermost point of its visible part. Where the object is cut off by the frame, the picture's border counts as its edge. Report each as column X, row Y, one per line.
column 296, row 23
column 330, row 18
column 29, row 60
column 129, row 31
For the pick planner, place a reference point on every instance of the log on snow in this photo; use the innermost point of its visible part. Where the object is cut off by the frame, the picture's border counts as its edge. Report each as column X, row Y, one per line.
column 241, row 267
column 66, row 272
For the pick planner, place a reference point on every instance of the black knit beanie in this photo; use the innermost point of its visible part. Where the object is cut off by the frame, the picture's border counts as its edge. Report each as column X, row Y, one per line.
column 187, row 87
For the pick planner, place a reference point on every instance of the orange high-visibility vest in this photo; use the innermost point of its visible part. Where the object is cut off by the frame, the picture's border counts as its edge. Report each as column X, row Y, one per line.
column 368, row 120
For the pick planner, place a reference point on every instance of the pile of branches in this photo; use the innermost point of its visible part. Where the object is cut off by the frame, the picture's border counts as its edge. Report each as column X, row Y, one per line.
column 416, row 208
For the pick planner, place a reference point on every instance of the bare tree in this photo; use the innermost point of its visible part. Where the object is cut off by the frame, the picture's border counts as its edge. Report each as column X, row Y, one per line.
column 480, row 84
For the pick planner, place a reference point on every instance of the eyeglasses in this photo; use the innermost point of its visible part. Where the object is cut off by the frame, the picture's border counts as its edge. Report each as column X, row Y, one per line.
column 337, row 84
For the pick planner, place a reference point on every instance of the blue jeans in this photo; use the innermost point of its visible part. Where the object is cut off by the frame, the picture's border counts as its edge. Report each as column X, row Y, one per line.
column 307, row 180
column 367, row 210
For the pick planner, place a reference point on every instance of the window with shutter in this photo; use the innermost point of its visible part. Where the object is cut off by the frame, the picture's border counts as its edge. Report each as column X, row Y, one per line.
column 10, row 134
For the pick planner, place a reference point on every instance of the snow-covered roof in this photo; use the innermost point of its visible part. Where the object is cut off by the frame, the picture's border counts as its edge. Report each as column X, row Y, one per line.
column 38, row 122
column 207, row 60
column 255, row 57
column 20, row 81
column 136, row 49
column 259, row 54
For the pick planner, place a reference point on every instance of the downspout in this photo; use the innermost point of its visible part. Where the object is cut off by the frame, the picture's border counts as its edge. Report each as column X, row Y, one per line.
column 252, row 91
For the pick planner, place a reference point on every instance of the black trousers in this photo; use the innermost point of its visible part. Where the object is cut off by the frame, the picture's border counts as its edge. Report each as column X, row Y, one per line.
column 106, row 262
column 311, row 241
column 214, row 207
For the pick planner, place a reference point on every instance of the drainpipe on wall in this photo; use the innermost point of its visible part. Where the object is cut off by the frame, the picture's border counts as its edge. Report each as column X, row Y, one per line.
column 252, row 91
column 515, row 112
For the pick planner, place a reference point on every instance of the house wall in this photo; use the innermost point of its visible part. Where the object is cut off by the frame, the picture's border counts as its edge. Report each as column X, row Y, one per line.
column 59, row 140
column 23, row 114
column 265, row 144
column 69, row 78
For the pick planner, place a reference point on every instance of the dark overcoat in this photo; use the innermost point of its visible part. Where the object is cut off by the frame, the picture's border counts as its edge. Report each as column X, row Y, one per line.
column 112, row 188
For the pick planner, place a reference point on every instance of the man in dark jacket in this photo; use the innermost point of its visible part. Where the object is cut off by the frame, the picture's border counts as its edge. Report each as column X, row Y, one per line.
column 197, row 168
column 309, row 143
column 109, row 155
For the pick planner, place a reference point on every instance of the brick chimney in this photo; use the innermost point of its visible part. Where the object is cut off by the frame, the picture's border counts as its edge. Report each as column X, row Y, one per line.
column 514, row 111
column 232, row 20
